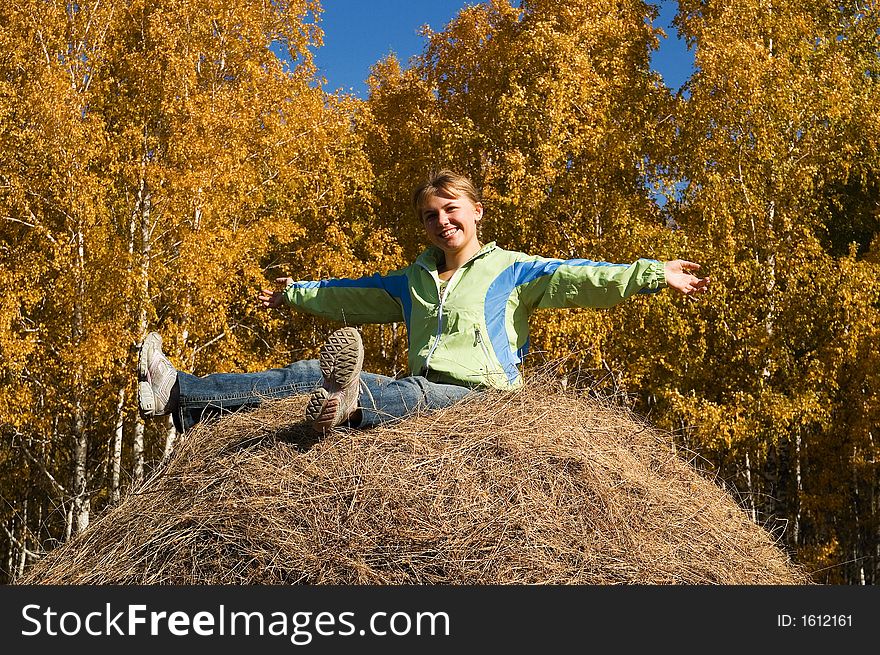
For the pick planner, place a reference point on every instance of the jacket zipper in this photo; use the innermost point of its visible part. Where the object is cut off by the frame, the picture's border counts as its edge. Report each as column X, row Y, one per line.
column 442, row 296
column 439, row 324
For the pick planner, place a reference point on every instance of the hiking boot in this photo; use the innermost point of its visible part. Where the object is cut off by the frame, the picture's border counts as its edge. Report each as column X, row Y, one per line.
column 341, row 359
column 156, row 378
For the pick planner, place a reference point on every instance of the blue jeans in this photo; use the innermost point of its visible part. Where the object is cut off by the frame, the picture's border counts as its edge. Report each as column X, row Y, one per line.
column 381, row 398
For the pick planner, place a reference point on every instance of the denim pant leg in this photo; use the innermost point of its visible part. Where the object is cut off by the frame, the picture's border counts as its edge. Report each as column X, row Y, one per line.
column 218, row 393
column 384, row 399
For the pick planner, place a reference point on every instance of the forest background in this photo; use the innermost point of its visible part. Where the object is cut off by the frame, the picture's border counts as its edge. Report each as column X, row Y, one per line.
column 159, row 164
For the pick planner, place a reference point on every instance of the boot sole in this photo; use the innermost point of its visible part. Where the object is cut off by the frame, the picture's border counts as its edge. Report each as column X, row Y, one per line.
column 320, row 411
column 341, row 360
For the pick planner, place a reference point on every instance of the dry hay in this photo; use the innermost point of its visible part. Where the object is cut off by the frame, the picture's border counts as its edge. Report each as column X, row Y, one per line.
column 529, row 487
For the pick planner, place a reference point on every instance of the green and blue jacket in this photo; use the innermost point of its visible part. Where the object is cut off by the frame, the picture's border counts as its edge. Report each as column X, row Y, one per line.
column 473, row 329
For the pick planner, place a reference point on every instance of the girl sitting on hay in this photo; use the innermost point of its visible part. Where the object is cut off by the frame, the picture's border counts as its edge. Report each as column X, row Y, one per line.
column 466, row 307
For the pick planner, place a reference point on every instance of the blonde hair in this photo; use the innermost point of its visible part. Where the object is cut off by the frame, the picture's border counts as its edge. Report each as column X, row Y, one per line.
column 443, row 183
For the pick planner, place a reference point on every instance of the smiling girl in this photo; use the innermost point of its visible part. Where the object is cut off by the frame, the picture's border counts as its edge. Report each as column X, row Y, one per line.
column 466, row 307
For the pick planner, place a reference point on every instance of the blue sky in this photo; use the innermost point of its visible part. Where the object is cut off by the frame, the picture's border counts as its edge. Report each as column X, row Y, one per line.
column 357, row 34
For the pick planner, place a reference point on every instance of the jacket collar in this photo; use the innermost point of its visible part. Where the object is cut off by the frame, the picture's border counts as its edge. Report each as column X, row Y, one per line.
column 432, row 255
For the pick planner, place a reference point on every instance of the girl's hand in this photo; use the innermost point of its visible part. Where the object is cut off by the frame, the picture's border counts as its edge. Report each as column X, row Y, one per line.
column 679, row 277
column 271, row 299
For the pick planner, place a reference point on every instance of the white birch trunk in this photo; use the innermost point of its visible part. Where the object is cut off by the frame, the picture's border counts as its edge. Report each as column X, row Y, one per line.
column 137, row 443
column 875, row 578
column 68, row 523
column 116, row 455
column 751, row 491
column 10, row 557
column 170, row 437
column 81, row 503
column 796, row 537
column 143, row 205
column 22, row 560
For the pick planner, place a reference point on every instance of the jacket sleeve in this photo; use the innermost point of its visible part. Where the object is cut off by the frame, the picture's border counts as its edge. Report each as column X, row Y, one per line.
column 585, row 283
column 371, row 299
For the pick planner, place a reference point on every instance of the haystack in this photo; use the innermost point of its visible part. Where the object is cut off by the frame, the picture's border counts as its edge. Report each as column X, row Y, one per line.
column 537, row 486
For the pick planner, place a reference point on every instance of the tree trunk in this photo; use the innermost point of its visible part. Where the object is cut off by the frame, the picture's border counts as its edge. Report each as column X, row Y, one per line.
column 10, row 553
column 750, row 490
column 875, row 520
column 138, row 456
column 771, row 491
column 68, row 523
column 859, row 537
column 116, row 455
column 143, row 213
column 170, row 437
column 81, row 503
column 22, row 560
column 137, row 442
column 799, row 491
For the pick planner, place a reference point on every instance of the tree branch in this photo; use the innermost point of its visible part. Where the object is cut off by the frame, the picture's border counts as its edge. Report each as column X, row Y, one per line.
column 28, row 553
column 57, row 485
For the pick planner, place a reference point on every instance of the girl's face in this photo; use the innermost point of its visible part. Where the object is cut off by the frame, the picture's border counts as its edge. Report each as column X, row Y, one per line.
column 451, row 224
